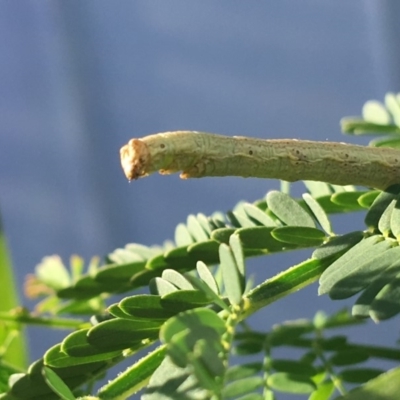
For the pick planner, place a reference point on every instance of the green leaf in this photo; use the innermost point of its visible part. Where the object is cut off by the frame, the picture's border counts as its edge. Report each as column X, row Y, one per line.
column 144, row 277
column 124, row 256
column 387, row 302
column 299, row 235
column 205, row 251
column 357, row 126
column 57, row 385
column 87, row 287
column 348, row 200
column 116, row 311
column 252, row 345
column 309, row 357
column 77, row 345
column 119, row 273
column 183, row 300
column 176, row 279
column 387, row 141
column 384, row 224
column 289, row 332
column 239, row 218
column 193, row 319
column 320, row 319
column 233, row 280
column 356, row 256
column 145, row 306
column 384, row 386
column 207, row 366
column 78, row 307
column 15, row 351
column 56, row 358
column 318, row 212
column 363, row 272
column 120, row 334
column 178, row 258
column 205, row 223
column 379, row 206
column 206, row 380
column 260, row 237
column 242, row 386
column 340, row 319
column 207, row 277
column 209, row 358
column 169, row 382
column 53, row 272
column 395, row 220
column 237, row 251
column 182, row 236
column 393, row 106
column 290, row 383
column 318, row 189
column 174, row 254
column 331, row 208
column 222, row 235
column 375, row 112
column 5, row 373
column 288, row 210
column 367, row 199
column 195, row 229
column 337, row 245
column 362, row 306
column 293, row 367
column 23, row 388
column 133, row 252
column 324, row 391
column 259, row 216
column 343, row 189
column 33, row 386
column 349, row 357
column 162, row 287
column 359, row 375
column 143, row 252
column 334, row 343
column 243, row 371
column 182, row 348
column 214, row 297
column 217, row 220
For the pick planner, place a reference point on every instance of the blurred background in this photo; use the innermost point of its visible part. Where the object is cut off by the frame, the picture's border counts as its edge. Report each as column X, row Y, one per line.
column 79, row 79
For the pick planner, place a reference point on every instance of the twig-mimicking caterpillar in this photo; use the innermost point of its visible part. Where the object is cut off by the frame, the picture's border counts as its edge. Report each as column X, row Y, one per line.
column 199, row 154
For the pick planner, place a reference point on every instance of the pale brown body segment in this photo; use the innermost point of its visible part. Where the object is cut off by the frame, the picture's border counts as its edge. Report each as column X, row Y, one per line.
column 199, row 154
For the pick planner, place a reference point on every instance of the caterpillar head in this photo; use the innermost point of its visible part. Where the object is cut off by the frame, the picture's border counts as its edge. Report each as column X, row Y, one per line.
column 135, row 159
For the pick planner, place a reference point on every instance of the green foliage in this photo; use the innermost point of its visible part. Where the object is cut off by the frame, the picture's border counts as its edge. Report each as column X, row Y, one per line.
column 12, row 341
column 185, row 303
column 378, row 118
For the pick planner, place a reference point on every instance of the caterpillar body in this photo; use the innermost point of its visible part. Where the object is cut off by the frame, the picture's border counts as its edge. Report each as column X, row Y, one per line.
column 199, row 154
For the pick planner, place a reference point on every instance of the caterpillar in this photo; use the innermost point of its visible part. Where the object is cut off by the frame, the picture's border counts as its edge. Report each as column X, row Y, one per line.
column 200, row 154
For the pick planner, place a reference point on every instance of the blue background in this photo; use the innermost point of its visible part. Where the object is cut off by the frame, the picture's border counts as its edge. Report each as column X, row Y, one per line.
column 78, row 79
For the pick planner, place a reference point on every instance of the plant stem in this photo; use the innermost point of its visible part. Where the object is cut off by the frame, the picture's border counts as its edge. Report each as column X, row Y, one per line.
column 22, row 316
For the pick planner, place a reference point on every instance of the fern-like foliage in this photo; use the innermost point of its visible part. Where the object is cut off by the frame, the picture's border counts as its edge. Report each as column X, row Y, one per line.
column 377, row 119
column 192, row 318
